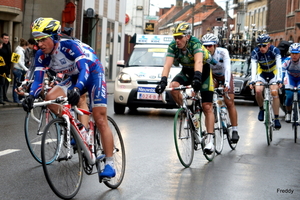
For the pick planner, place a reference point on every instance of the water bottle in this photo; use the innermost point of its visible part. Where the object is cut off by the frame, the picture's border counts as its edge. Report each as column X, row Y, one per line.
column 194, row 119
column 215, row 97
column 223, row 112
column 197, row 116
column 82, row 130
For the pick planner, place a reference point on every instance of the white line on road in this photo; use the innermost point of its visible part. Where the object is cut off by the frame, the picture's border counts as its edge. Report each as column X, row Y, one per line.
column 8, row 151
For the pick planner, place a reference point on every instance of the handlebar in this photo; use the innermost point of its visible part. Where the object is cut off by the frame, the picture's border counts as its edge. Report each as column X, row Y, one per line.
column 59, row 101
column 220, row 90
column 182, row 88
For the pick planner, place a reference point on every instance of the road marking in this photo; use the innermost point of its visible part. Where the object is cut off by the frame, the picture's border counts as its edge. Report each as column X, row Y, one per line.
column 8, row 151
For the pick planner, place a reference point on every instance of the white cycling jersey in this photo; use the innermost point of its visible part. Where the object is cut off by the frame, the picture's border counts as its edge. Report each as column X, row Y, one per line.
column 223, row 67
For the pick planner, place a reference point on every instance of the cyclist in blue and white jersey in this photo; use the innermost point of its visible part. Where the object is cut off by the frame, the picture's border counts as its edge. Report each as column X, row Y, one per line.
column 222, row 73
column 85, row 72
column 291, row 77
column 266, row 63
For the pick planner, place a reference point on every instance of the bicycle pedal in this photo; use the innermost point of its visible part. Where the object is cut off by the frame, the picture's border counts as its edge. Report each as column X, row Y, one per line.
column 104, row 179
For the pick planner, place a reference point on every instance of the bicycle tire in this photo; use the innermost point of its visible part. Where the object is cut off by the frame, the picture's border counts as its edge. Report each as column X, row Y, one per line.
column 271, row 122
column 295, row 120
column 218, row 132
column 119, row 155
column 64, row 175
column 33, row 130
column 267, row 120
column 183, row 138
column 203, row 132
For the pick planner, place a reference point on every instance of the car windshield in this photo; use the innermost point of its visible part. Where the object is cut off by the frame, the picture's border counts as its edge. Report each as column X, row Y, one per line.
column 148, row 57
column 239, row 67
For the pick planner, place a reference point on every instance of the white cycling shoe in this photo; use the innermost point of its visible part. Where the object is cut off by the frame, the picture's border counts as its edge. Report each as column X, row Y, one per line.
column 209, row 147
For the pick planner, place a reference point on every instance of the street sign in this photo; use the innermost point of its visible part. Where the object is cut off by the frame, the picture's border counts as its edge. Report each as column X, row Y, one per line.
column 151, row 17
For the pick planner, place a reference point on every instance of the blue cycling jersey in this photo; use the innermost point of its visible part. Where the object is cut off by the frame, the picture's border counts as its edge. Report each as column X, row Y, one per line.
column 78, row 61
column 266, row 64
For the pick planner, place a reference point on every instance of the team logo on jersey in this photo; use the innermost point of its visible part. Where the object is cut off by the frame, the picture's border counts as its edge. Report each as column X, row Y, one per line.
column 69, row 51
column 63, row 61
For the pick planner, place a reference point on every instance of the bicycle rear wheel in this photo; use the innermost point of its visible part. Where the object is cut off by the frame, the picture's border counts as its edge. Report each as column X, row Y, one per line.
column 118, row 153
column 183, row 137
column 33, row 129
column 64, row 175
column 219, row 136
column 203, row 132
column 295, row 120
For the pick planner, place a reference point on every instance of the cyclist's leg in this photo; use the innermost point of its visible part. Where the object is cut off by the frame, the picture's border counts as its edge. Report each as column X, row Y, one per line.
column 84, row 119
column 179, row 79
column 98, row 103
column 207, row 99
column 276, row 103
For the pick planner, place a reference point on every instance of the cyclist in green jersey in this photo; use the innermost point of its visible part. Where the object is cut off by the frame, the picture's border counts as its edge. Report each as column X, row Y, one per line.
column 188, row 51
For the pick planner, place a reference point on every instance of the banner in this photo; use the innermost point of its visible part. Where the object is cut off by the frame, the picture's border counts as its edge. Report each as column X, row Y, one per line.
column 15, row 57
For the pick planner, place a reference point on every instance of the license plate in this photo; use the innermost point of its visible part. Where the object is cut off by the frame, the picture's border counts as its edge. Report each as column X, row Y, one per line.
column 147, row 93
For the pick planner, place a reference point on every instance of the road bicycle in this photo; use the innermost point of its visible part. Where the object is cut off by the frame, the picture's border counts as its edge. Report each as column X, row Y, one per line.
column 295, row 112
column 223, row 125
column 71, row 150
column 35, row 121
column 189, row 128
column 268, row 110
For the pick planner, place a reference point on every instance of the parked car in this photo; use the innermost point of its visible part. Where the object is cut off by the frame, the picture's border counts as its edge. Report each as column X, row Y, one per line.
column 241, row 71
column 136, row 82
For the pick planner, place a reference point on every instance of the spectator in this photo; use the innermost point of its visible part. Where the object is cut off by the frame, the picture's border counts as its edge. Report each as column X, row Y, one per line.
column 19, row 69
column 2, row 79
column 6, row 54
column 29, row 58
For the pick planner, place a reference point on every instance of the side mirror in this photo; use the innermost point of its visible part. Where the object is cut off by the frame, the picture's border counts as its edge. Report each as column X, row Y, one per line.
column 120, row 63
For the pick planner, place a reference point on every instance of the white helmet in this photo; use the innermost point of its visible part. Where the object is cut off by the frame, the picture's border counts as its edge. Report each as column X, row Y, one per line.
column 209, row 39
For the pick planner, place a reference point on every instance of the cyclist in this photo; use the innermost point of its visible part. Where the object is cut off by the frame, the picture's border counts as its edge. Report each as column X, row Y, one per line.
column 85, row 72
column 266, row 63
column 190, row 53
column 291, row 77
column 222, row 74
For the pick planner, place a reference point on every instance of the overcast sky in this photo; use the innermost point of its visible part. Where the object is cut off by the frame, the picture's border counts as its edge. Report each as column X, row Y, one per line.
column 167, row 3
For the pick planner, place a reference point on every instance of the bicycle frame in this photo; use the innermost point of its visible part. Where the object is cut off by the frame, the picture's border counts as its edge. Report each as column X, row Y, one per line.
column 88, row 149
column 295, row 112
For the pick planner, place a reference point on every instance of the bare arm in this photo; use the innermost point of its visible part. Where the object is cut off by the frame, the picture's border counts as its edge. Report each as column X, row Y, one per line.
column 198, row 62
column 167, row 66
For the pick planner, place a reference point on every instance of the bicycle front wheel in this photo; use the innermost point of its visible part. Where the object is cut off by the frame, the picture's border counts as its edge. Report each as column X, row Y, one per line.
column 183, row 137
column 219, row 136
column 295, row 120
column 35, row 121
column 118, row 154
column 64, row 175
column 267, row 120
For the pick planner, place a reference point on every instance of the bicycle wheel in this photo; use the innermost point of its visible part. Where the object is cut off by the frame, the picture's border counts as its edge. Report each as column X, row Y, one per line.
column 183, row 137
column 295, row 120
column 219, row 136
column 203, row 132
column 33, row 128
column 267, row 120
column 64, row 175
column 118, row 154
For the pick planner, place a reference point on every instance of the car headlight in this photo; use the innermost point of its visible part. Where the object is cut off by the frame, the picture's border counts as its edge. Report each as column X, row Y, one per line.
column 124, row 78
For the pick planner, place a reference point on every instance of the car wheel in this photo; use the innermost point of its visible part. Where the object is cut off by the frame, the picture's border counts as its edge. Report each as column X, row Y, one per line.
column 119, row 108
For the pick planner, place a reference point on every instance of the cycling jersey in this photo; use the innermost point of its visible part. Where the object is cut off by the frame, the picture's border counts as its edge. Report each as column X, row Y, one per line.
column 266, row 65
column 78, row 61
column 222, row 67
column 186, row 59
column 291, row 73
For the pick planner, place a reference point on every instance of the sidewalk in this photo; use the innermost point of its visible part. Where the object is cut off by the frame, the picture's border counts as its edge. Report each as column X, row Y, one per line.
column 110, row 90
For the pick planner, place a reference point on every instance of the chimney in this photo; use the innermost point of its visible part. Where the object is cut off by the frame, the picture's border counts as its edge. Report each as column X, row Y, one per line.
column 198, row 1
column 209, row 2
column 186, row 4
column 179, row 3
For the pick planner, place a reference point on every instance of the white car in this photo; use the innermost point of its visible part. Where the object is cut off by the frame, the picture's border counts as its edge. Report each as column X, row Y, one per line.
column 136, row 83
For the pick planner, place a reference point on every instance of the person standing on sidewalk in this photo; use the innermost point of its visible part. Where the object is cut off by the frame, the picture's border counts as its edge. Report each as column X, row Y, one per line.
column 2, row 71
column 6, row 54
column 19, row 69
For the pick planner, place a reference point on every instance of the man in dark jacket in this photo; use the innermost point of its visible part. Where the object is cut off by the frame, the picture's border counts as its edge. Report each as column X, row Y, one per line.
column 5, row 52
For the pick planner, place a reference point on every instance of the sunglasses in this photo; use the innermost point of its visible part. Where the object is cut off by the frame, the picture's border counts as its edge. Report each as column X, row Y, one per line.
column 208, row 46
column 178, row 37
column 260, row 46
column 41, row 39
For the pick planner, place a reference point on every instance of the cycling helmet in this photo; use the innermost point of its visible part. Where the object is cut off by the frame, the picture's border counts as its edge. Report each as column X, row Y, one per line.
column 209, row 39
column 294, row 48
column 46, row 27
column 263, row 38
column 182, row 28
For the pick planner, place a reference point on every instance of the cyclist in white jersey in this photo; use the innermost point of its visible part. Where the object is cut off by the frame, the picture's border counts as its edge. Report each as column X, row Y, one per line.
column 291, row 77
column 222, row 76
